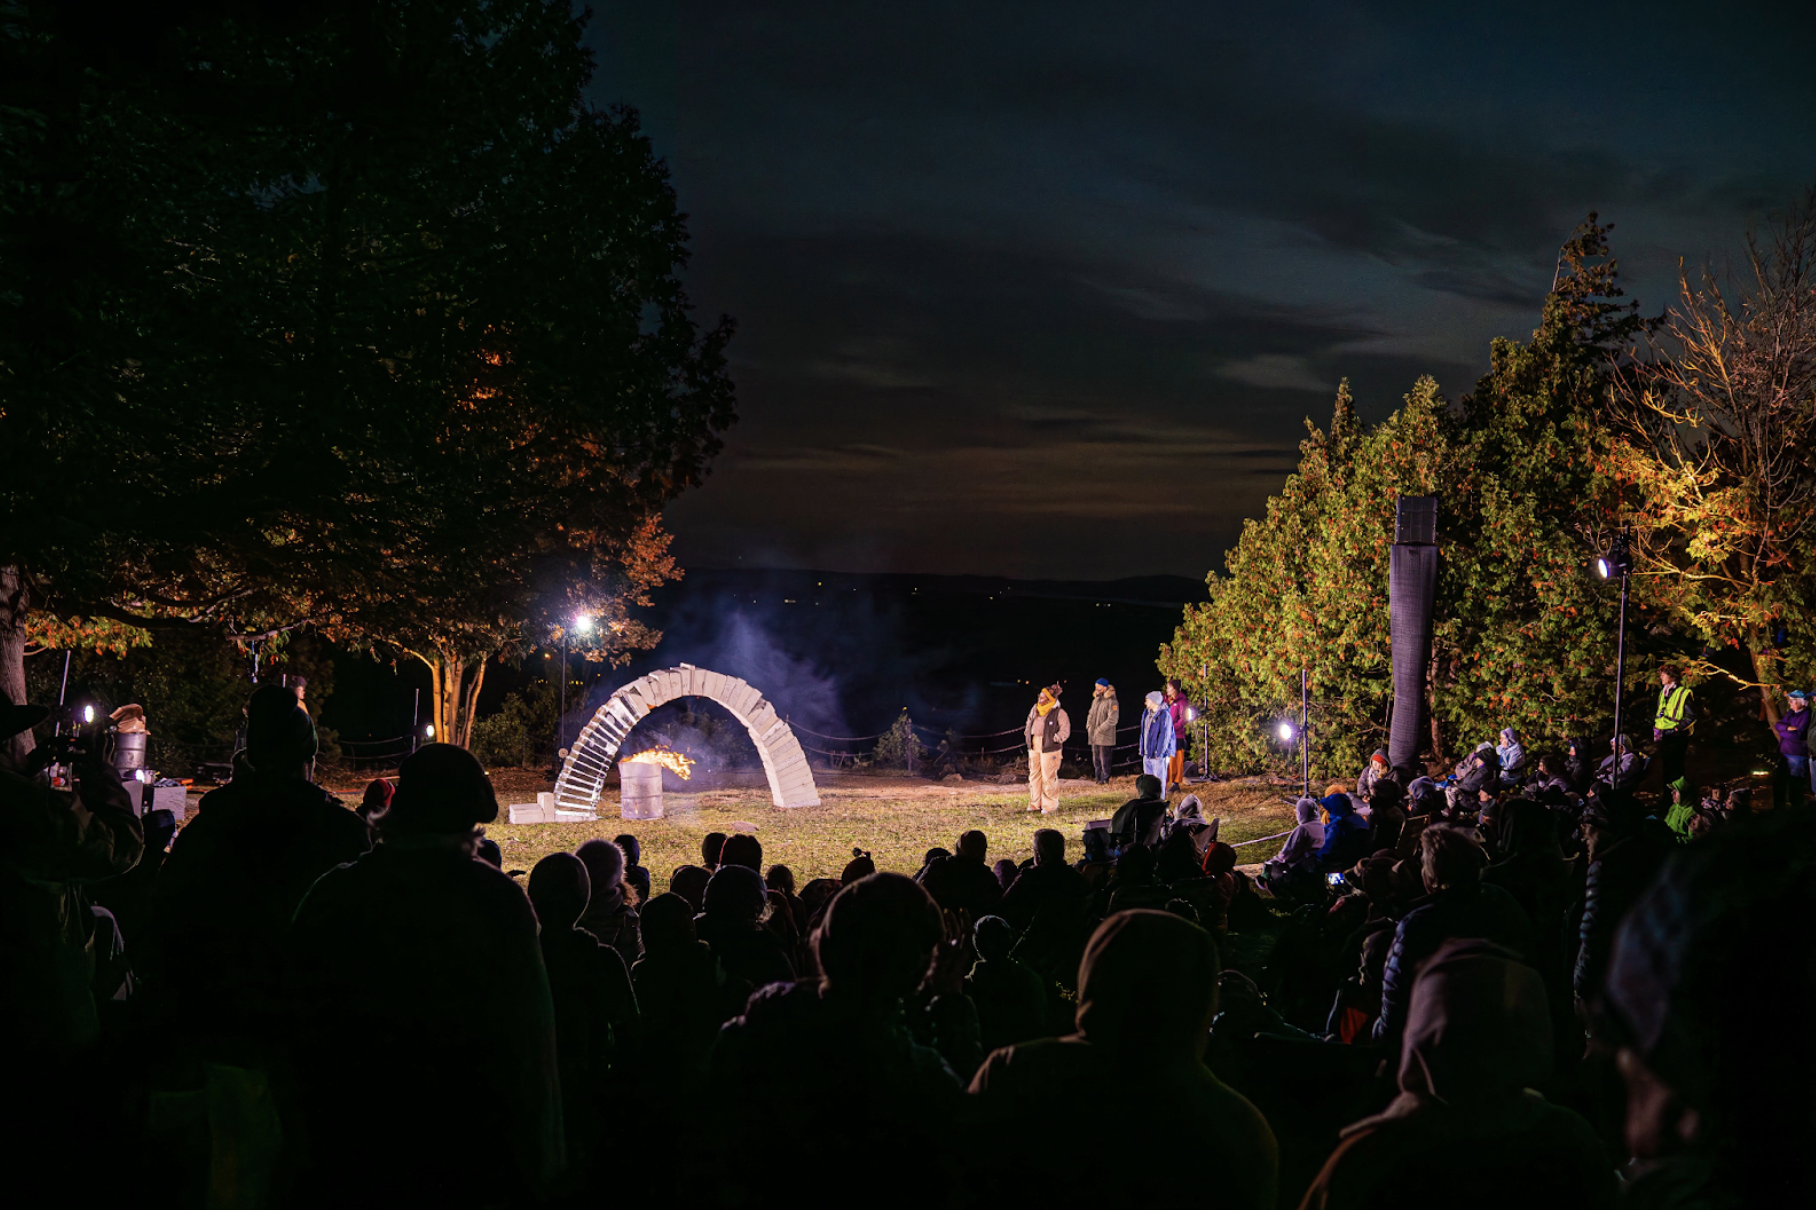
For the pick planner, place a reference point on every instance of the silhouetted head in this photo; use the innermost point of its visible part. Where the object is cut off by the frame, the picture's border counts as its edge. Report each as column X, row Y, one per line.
column 689, row 882
column 973, row 845
column 440, row 789
column 487, row 850
column 860, row 866
column 1049, row 847
column 711, row 848
column 1148, row 786
column 559, row 890
column 877, row 940
column 735, row 894
column 667, row 924
column 280, row 735
column 604, row 862
column 741, row 848
column 1006, row 872
column 1478, row 1029
column 1136, row 865
column 627, row 844
column 994, row 938
column 781, row 878
column 1451, row 857
column 1147, row 987
column 1219, row 858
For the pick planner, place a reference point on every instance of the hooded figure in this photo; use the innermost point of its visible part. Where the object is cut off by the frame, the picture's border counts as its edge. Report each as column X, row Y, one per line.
column 1345, row 836
column 1621, row 769
column 418, row 999
column 1512, row 755
column 1147, row 990
column 1467, row 1129
column 609, row 916
column 1157, row 742
column 1579, row 763
column 1372, row 772
column 1306, row 839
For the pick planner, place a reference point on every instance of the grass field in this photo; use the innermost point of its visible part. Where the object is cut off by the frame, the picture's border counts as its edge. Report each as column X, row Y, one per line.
column 897, row 819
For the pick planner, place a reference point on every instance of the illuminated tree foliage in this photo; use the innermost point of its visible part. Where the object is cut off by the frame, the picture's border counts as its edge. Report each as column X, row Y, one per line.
column 1524, row 636
column 1719, row 447
column 354, row 316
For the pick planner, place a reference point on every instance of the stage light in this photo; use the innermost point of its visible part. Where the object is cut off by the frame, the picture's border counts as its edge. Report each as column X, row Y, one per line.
column 1602, row 569
column 88, row 714
column 429, row 731
column 583, row 624
column 1285, row 732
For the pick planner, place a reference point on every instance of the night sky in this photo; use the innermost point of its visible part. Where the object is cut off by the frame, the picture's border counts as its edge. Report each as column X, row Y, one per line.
column 1048, row 289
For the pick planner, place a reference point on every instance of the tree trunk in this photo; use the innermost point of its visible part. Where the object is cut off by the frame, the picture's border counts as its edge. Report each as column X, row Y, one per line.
column 470, row 705
column 1431, row 705
column 15, row 603
column 1765, row 672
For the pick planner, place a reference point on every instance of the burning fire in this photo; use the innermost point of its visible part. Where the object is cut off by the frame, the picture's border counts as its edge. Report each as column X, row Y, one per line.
column 681, row 766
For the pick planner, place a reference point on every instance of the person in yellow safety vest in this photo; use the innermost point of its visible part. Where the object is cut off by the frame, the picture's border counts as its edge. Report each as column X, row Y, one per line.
column 1672, row 726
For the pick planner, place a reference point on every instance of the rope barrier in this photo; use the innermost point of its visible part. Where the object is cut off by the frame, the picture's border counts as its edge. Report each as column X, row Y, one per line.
column 1259, row 839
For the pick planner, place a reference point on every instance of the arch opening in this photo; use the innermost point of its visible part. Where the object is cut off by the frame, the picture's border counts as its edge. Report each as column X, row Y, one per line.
column 596, row 748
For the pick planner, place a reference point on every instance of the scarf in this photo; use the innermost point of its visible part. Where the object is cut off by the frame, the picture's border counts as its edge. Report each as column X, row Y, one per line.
column 1047, row 702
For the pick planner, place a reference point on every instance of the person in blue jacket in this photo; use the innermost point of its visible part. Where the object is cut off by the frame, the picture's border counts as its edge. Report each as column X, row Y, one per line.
column 1345, row 836
column 1158, row 743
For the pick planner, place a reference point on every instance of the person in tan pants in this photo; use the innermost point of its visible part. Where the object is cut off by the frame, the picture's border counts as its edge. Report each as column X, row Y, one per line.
column 1047, row 730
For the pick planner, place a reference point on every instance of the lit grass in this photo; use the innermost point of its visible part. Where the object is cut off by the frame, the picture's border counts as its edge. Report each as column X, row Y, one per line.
column 895, row 819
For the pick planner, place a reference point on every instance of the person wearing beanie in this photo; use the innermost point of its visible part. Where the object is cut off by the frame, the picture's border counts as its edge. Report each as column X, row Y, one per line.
column 374, row 802
column 1100, row 728
column 732, row 924
column 418, row 998
column 1180, row 711
column 1157, row 742
column 1792, row 731
column 1372, row 772
column 1046, row 732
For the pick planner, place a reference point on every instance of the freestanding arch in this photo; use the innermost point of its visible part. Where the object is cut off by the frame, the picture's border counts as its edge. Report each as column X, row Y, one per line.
column 582, row 779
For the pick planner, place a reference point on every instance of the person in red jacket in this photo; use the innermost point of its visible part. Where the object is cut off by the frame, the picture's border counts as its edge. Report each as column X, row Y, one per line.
column 1180, row 710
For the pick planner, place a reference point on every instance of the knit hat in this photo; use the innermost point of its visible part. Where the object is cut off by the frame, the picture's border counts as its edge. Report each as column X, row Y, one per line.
column 441, row 788
column 1103, row 683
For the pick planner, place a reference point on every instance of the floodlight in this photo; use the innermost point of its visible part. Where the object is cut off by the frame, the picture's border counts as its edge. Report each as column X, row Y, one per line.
column 88, row 714
column 583, row 624
column 429, row 731
column 1286, row 732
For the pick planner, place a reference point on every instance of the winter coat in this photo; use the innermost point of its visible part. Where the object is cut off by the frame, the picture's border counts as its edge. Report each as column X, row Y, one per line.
column 1048, row 734
column 1345, row 837
column 1512, row 755
column 1158, row 742
column 1620, row 772
column 1307, row 837
column 1794, row 732
column 1176, row 711
column 1365, row 781
column 1483, row 774
column 1100, row 723
column 1579, row 765
column 1619, row 874
column 1485, row 912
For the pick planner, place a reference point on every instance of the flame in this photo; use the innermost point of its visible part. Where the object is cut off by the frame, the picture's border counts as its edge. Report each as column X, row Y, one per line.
column 681, row 766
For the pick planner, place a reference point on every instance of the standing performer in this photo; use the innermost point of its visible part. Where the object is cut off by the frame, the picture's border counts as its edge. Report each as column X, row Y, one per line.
column 1100, row 728
column 1676, row 717
column 1157, row 739
column 1047, row 730
column 1177, row 707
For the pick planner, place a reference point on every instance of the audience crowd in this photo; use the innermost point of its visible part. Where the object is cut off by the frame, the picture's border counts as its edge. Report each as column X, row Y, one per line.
column 1509, row 983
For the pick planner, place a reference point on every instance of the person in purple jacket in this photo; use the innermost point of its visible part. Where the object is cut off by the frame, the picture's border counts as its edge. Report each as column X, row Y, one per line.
column 1794, row 745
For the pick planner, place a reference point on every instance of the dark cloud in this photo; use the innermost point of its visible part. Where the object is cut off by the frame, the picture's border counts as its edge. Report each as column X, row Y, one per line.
column 1050, row 288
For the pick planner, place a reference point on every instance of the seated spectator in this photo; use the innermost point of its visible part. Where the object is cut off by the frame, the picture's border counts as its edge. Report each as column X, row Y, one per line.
column 1295, row 867
column 1188, row 817
column 1550, row 786
column 965, row 883
column 711, row 848
column 1212, row 892
column 689, row 882
column 683, row 994
column 596, row 1020
column 1376, row 769
column 1623, row 855
column 742, row 848
column 1530, row 867
column 1481, row 774
column 1048, row 881
column 635, row 876
column 1006, row 871
column 1179, row 858
column 1511, row 754
column 1011, row 1001
column 1682, row 810
column 857, row 869
column 374, row 802
column 1719, row 1102
column 1345, row 835
column 1147, row 991
column 418, row 999
column 1467, row 1128
column 1133, row 884
column 1386, row 816
column 732, row 924
column 1459, row 906
column 873, row 1101
column 1579, row 764
column 1621, row 770
column 609, row 915
column 235, row 876
column 1138, row 820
